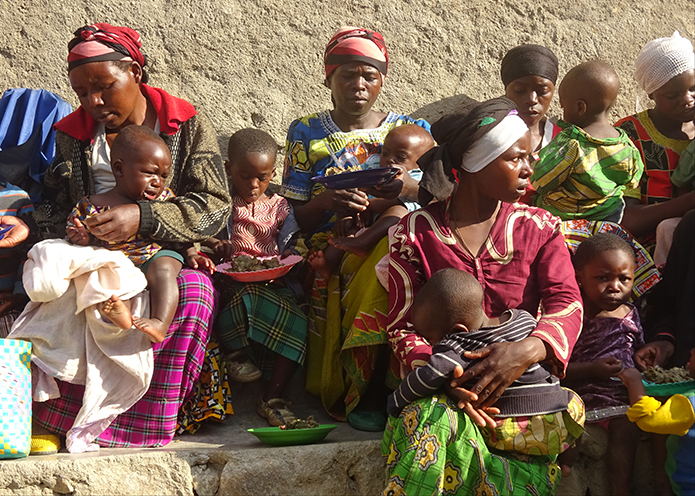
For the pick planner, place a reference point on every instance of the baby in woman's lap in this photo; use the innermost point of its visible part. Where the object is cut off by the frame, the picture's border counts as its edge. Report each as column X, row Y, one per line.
column 537, row 416
column 140, row 161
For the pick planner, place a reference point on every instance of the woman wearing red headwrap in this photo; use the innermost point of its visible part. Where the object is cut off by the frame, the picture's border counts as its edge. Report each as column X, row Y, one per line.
column 106, row 70
column 349, row 345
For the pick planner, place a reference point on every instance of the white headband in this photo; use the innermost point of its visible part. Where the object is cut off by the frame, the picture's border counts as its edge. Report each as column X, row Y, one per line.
column 663, row 59
column 494, row 143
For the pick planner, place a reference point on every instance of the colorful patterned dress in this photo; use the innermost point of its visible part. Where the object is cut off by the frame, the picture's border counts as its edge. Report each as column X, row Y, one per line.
column 582, row 177
column 348, row 313
column 137, row 248
column 659, row 153
column 432, row 447
column 261, row 318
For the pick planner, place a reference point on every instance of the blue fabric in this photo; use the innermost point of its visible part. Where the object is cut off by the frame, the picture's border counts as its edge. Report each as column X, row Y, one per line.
column 415, row 174
column 680, row 464
column 27, row 137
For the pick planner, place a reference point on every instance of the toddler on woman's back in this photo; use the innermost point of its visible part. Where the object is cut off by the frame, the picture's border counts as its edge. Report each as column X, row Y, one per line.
column 585, row 169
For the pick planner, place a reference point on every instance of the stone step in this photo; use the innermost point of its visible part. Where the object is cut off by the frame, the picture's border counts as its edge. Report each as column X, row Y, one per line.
column 224, row 459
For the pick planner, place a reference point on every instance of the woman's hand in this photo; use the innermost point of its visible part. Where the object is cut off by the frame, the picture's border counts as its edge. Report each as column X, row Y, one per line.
column 654, row 353
column 401, row 186
column 393, row 188
column 346, row 202
column 500, row 365
column 15, row 236
column 116, row 224
column 465, row 398
column 10, row 301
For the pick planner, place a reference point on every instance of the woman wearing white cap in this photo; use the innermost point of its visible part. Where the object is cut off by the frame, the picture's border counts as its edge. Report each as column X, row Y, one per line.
column 665, row 70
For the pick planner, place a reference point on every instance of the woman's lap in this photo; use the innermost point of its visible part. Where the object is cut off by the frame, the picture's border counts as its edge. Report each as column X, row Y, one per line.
column 264, row 319
column 177, row 363
column 434, row 448
column 351, row 314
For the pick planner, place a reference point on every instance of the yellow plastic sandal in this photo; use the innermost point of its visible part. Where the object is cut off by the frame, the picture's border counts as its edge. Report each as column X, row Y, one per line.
column 44, row 444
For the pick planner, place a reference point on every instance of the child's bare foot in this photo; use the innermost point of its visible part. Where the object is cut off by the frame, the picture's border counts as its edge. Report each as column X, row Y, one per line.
column 155, row 329
column 353, row 244
column 117, row 312
column 318, row 262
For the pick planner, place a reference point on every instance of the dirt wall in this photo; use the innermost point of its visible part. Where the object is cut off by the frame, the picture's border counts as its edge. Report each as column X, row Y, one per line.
column 259, row 62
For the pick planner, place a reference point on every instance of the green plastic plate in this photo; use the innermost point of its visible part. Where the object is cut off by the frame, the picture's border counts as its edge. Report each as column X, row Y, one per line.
column 667, row 388
column 279, row 437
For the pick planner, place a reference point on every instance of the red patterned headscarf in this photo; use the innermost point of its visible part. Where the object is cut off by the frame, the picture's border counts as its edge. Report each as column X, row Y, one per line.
column 351, row 44
column 103, row 42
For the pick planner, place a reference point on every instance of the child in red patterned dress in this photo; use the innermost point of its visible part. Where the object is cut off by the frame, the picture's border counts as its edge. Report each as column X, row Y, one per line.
column 259, row 322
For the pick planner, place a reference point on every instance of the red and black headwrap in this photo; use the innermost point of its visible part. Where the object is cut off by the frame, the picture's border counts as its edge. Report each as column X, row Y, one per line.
column 103, row 42
column 352, row 44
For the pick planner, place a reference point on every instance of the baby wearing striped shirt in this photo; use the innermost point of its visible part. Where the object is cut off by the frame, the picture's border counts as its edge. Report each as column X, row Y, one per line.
column 537, row 416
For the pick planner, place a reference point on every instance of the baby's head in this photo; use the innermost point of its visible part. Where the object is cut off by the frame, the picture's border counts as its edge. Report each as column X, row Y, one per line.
column 251, row 163
column 140, row 161
column 604, row 266
column 404, row 145
column 587, row 91
column 450, row 301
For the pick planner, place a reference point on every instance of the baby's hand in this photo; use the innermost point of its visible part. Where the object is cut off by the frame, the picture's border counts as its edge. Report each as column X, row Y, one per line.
column 77, row 232
column 605, row 368
column 200, row 262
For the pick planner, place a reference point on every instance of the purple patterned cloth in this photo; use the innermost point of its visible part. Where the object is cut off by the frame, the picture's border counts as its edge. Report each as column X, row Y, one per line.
column 178, row 360
column 604, row 337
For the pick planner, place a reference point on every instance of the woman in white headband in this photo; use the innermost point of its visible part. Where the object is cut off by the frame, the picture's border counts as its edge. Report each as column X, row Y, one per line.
column 518, row 255
column 665, row 70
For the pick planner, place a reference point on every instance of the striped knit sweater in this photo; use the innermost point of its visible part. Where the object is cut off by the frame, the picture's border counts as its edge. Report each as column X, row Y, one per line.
column 202, row 201
column 536, row 392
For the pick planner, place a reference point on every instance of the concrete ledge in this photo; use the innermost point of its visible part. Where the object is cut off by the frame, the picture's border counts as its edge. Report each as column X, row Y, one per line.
column 224, row 459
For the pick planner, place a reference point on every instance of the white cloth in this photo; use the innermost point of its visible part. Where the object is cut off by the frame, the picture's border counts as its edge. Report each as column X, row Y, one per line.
column 102, row 175
column 72, row 342
column 494, row 143
column 663, row 59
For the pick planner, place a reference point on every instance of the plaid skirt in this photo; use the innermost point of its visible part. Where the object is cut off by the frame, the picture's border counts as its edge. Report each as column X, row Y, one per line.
column 262, row 319
column 151, row 422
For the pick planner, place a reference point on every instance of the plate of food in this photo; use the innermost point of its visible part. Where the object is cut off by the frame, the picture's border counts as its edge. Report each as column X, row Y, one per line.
column 295, row 432
column 667, row 382
column 349, row 178
column 245, row 268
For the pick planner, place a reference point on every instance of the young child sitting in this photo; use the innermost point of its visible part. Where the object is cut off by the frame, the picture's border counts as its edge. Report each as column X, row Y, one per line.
column 260, row 322
column 675, row 417
column 140, row 161
column 536, row 415
column 585, row 169
column 604, row 266
column 402, row 147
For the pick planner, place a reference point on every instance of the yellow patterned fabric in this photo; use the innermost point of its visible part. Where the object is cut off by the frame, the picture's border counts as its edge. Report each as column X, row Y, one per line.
column 433, row 448
column 549, row 434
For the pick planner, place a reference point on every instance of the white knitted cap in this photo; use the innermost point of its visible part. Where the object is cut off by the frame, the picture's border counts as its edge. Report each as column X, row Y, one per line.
column 663, row 59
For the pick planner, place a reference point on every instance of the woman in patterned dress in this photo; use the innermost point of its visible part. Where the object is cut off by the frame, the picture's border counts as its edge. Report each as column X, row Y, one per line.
column 518, row 255
column 347, row 346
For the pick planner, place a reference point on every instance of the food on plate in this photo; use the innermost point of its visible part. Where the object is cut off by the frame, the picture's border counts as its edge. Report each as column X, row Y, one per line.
column 663, row 376
column 246, row 263
column 332, row 171
column 309, row 423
